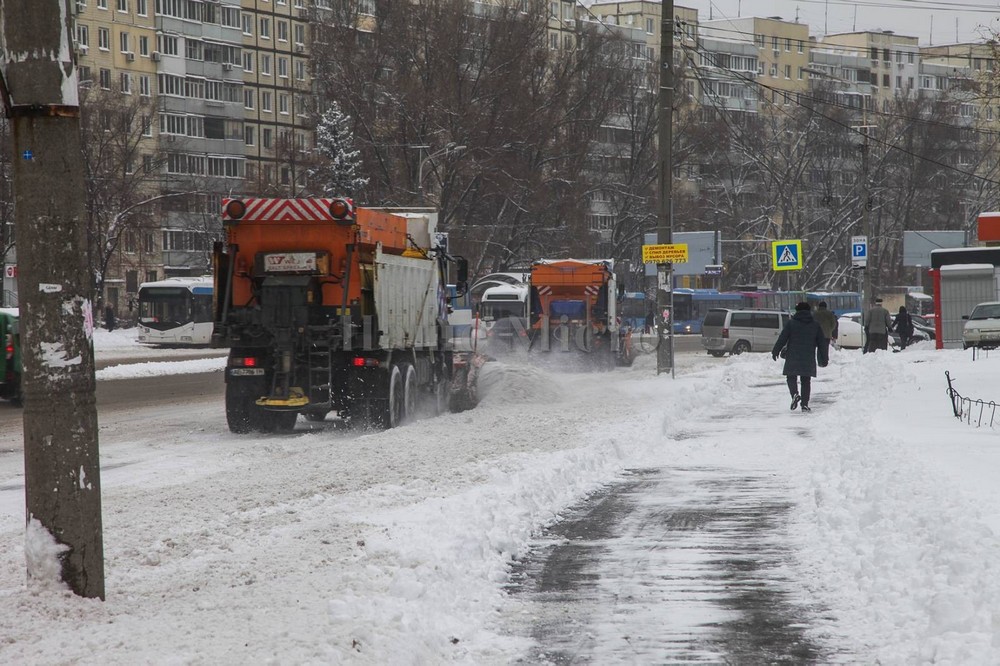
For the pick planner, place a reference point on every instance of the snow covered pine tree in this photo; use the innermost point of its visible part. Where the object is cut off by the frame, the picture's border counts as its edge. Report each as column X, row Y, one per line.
column 337, row 174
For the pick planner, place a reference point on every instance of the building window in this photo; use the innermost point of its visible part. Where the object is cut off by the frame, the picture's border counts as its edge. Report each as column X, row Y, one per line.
column 248, row 24
column 265, row 137
column 283, row 68
column 140, row 8
column 82, row 35
column 167, row 45
column 265, row 64
column 144, row 45
column 788, row 71
column 282, row 27
column 102, row 4
column 105, row 78
column 248, row 135
column 193, row 49
column 788, row 44
column 248, row 98
column 126, row 83
column 300, row 33
column 123, row 6
column 283, row 103
column 123, row 42
column 144, row 88
column 103, row 39
column 265, row 102
column 300, row 70
column 248, row 61
column 265, row 28
column 84, row 73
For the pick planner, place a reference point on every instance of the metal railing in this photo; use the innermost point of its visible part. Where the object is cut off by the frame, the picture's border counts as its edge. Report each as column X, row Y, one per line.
column 972, row 410
column 9, row 299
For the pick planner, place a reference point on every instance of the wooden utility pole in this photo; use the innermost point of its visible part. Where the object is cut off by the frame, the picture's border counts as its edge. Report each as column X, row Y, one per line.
column 62, row 476
column 664, row 230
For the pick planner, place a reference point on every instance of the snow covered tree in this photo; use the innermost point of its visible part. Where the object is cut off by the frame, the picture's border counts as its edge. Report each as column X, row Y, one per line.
column 337, row 172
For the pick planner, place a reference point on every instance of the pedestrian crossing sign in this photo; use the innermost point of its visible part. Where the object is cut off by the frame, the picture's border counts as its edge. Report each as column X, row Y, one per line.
column 786, row 255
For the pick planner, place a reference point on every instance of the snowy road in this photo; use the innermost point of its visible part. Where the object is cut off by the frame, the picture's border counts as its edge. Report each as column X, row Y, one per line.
column 687, row 519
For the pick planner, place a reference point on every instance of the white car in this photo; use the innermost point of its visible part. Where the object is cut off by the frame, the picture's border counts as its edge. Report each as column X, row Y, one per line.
column 849, row 333
column 851, row 336
column 982, row 327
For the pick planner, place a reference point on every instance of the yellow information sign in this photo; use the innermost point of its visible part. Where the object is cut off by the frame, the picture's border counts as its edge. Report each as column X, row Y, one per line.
column 676, row 253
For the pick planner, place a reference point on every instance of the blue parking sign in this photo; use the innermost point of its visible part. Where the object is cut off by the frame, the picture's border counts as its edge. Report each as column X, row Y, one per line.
column 859, row 250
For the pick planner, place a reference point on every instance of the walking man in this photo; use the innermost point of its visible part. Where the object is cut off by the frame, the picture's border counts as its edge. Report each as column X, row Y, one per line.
column 877, row 323
column 804, row 344
column 827, row 321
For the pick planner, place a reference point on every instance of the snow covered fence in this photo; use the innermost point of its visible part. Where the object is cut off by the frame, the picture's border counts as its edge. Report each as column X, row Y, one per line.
column 969, row 409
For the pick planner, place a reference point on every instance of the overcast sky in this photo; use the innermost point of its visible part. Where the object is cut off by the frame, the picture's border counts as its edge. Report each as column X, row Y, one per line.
column 975, row 18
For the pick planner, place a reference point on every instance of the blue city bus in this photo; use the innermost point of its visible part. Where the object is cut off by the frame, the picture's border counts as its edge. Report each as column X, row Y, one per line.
column 840, row 302
column 633, row 310
column 691, row 306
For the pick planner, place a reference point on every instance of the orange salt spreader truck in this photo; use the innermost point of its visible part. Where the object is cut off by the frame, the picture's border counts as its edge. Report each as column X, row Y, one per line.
column 330, row 307
column 574, row 309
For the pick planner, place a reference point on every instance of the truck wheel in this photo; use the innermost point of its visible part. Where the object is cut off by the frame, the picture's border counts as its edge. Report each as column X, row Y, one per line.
column 393, row 409
column 409, row 394
column 242, row 412
column 741, row 347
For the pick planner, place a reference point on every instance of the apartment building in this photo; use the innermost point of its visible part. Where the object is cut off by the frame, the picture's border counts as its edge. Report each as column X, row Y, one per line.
column 277, row 103
column 783, row 52
column 894, row 62
column 114, row 43
column 185, row 59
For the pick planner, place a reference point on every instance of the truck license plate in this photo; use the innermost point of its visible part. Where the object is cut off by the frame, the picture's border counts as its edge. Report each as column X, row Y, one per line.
column 245, row 372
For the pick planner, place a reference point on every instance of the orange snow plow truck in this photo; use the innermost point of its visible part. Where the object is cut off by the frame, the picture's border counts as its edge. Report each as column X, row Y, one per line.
column 574, row 309
column 330, row 307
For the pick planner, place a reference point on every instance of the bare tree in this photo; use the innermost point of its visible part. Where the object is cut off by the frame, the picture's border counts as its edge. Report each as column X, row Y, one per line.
column 120, row 162
column 430, row 73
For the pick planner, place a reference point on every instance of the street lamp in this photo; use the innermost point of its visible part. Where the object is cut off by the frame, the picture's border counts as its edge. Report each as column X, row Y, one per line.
column 450, row 147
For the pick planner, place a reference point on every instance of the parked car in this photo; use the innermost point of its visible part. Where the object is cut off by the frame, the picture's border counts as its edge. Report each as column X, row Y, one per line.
column 10, row 355
column 922, row 329
column 851, row 335
column 726, row 330
column 982, row 327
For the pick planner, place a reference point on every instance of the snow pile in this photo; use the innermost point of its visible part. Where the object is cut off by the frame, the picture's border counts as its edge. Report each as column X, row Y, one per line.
column 42, row 552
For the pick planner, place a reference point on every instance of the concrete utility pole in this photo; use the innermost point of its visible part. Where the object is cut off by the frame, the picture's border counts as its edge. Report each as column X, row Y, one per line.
column 62, row 478
column 664, row 230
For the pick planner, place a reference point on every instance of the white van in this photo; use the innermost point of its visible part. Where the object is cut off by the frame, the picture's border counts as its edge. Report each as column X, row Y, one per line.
column 736, row 331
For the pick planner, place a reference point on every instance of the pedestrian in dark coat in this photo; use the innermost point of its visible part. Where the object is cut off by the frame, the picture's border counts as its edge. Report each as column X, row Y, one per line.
column 804, row 344
column 827, row 321
column 903, row 326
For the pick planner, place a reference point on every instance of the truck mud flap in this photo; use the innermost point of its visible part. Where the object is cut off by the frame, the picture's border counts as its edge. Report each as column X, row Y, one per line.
column 464, row 391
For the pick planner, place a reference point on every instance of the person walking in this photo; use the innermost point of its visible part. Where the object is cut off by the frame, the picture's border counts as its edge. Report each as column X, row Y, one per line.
column 827, row 321
column 803, row 344
column 877, row 323
column 903, row 326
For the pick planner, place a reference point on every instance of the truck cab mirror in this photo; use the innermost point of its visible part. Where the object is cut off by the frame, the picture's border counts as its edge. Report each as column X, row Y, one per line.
column 462, row 275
